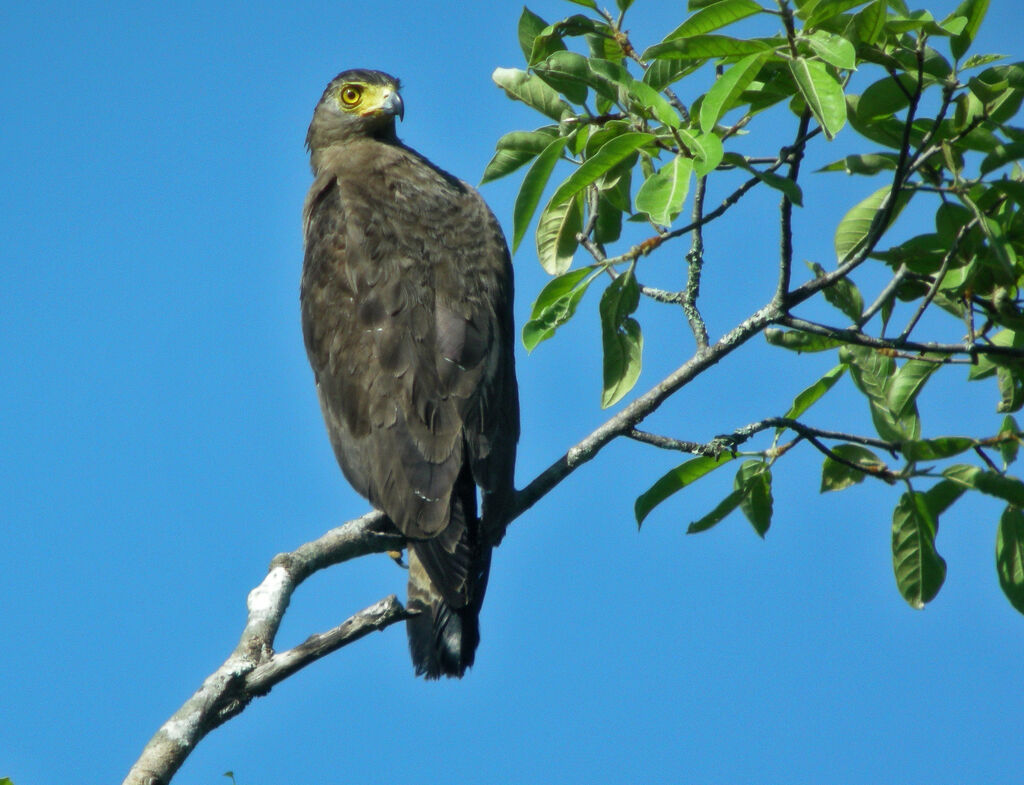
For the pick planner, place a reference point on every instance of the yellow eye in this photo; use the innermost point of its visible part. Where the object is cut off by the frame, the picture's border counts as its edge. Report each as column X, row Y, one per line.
column 350, row 94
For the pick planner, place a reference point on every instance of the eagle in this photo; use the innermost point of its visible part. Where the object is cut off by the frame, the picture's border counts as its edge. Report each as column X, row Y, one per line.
column 406, row 301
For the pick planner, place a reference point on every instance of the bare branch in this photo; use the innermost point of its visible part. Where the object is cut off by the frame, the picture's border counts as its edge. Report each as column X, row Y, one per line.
column 283, row 664
column 884, row 296
column 895, row 345
column 662, row 296
column 939, row 275
column 627, row 419
column 227, row 691
column 796, row 155
column 712, row 449
column 695, row 264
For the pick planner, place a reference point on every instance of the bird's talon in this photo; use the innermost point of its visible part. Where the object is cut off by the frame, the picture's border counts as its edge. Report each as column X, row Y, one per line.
column 396, row 556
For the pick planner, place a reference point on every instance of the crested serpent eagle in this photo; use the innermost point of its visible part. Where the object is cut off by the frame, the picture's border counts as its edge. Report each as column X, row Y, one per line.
column 407, row 317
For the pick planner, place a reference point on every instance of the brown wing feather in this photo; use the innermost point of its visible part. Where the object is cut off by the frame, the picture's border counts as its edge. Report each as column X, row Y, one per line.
column 406, row 307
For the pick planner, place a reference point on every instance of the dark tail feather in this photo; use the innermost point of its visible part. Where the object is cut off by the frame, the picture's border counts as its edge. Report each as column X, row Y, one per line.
column 447, row 580
column 442, row 639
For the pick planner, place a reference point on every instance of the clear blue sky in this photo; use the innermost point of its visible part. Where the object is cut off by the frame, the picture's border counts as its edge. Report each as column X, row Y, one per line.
column 162, row 441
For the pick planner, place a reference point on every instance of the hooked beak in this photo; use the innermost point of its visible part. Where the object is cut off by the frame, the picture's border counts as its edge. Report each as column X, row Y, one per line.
column 393, row 105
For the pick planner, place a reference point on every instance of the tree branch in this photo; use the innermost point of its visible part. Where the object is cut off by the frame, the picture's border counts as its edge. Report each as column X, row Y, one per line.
column 947, row 350
column 796, row 155
column 253, row 667
column 695, row 264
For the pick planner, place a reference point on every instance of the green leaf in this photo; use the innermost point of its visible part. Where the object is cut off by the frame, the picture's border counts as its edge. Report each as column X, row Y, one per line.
column 1002, row 155
column 550, row 38
column 661, row 73
column 936, row 449
column 950, row 219
column 920, row 571
column 1009, row 447
column 870, row 22
column 836, row 475
column 703, row 47
column 856, row 226
column 1000, row 89
column 611, row 153
column 986, row 366
column 907, row 384
column 1010, row 556
column 532, row 187
column 556, row 234
column 797, row 341
column 833, row 49
column 663, row 193
column 873, row 373
column 811, row 395
column 886, row 131
column 885, row 97
column 727, row 88
column 941, row 496
column 531, row 90
column 923, row 22
column 713, row 17
column 707, row 150
column 717, row 515
column 821, row 92
column 529, row 26
column 843, row 294
column 823, row 11
column 783, row 184
column 571, row 72
column 621, row 338
column 754, row 479
column 1009, row 489
column 616, row 185
column 515, row 149
column 974, row 12
column 640, row 93
column 674, row 481
column 976, row 61
column 1011, row 391
column 608, row 226
column 646, row 97
column 571, row 87
column 555, row 305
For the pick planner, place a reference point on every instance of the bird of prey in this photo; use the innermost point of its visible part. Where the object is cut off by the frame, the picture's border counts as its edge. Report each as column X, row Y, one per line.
column 407, row 317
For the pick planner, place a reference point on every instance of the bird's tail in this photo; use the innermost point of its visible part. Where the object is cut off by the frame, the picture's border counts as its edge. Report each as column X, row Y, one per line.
column 447, row 581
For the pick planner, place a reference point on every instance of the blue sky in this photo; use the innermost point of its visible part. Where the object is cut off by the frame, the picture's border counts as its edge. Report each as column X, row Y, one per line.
column 162, row 442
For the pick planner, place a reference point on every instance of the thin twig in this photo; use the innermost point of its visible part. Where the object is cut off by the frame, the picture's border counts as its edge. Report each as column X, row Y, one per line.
column 949, row 351
column 796, row 154
column 884, row 296
column 661, row 295
column 988, row 461
column 934, row 288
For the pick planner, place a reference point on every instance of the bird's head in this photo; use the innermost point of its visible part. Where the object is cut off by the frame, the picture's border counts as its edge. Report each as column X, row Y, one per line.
column 357, row 103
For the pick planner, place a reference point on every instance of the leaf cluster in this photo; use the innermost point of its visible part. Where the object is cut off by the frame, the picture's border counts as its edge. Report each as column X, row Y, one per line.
column 934, row 122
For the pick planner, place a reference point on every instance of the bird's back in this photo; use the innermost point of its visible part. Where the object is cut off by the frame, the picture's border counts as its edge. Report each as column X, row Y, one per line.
column 406, row 309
